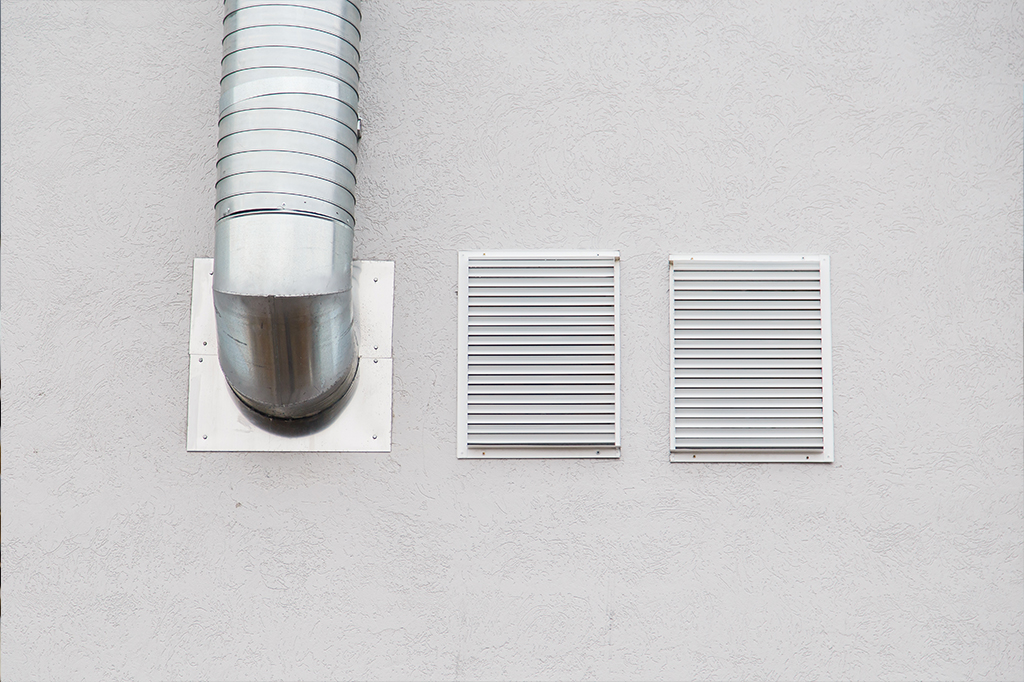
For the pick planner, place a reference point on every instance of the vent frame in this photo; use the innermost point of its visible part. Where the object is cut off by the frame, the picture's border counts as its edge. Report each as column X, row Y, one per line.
column 824, row 454
column 470, row 448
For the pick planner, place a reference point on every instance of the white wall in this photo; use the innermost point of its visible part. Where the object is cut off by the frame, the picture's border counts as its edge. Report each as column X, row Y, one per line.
column 888, row 135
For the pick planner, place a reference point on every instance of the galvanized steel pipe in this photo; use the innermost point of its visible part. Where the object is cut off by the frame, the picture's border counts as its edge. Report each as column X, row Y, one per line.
column 286, row 158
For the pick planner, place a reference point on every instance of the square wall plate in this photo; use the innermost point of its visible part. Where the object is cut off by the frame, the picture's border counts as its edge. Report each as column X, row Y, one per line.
column 218, row 422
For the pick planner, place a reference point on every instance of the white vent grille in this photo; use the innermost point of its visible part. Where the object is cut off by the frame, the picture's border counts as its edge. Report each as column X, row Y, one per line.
column 538, row 354
column 751, row 359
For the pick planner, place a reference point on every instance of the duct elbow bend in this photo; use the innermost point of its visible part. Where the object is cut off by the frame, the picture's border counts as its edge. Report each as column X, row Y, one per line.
column 282, row 291
column 286, row 159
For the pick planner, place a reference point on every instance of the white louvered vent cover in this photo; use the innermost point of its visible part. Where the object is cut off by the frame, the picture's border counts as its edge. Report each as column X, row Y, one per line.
column 751, row 359
column 538, row 354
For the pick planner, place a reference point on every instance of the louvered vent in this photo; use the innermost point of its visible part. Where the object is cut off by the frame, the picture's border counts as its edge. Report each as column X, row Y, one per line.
column 751, row 359
column 538, row 354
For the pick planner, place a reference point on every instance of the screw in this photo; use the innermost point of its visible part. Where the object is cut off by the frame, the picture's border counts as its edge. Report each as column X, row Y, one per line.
column 204, row 436
column 375, row 347
column 375, row 362
column 374, row 279
column 375, row 436
column 204, row 343
column 200, row 359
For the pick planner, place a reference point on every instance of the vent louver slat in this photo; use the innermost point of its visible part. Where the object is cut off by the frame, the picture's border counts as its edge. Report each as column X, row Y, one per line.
column 751, row 366
column 538, row 354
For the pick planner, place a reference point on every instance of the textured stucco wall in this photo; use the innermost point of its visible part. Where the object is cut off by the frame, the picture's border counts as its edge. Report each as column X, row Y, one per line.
column 886, row 134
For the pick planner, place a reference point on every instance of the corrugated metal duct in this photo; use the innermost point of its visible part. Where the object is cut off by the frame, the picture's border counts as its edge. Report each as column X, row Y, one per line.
column 286, row 203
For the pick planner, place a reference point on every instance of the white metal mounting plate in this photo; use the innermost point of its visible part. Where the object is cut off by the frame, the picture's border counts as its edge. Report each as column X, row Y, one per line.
column 217, row 422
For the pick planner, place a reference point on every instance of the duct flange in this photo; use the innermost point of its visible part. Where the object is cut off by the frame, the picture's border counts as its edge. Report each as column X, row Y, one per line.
column 360, row 422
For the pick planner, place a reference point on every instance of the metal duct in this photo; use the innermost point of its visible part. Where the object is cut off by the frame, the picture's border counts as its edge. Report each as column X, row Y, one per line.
column 286, row 158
